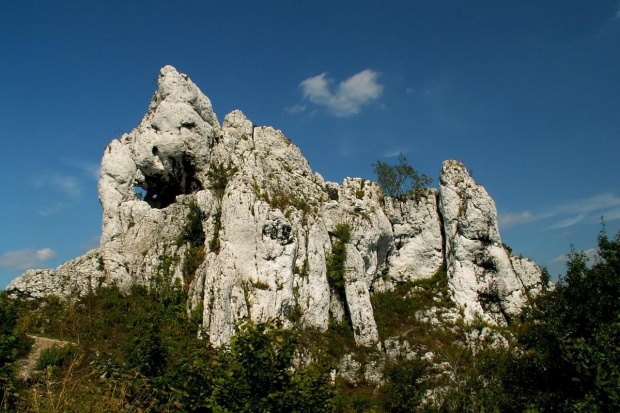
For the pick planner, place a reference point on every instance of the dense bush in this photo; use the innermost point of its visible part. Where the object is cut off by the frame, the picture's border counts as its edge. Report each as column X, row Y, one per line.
column 404, row 390
column 572, row 337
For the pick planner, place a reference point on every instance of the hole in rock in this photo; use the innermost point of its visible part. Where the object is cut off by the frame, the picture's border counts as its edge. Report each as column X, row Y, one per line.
column 139, row 192
column 188, row 124
column 160, row 190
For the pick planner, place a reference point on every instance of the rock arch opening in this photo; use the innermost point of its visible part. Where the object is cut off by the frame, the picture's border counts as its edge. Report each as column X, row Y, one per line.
column 160, row 189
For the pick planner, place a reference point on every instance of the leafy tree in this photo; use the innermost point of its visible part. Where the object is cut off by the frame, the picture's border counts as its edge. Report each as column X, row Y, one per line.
column 400, row 180
column 572, row 337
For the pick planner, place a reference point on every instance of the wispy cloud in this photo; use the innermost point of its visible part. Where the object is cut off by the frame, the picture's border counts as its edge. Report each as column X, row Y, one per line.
column 569, row 222
column 559, row 258
column 571, row 213
column 393, row 153
column 26, row 259
column 64, row 183
column 348, row 98
column 513, row 219
column 590, row 255
column 594, row 203
column 296, row 108
column 91, row 169
column 53, row 209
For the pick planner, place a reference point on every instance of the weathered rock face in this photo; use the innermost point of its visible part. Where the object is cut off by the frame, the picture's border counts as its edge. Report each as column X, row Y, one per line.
column 483, row 276
column 268, row 228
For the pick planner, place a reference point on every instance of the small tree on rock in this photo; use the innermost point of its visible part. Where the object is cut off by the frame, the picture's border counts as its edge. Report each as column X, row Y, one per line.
column 400, row 180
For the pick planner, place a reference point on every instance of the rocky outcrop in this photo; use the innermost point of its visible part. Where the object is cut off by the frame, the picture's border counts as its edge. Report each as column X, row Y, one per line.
column 484, row 278
column 235, row 215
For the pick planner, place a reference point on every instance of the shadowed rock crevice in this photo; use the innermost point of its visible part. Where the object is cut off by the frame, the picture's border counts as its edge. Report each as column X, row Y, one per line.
column 179, row 178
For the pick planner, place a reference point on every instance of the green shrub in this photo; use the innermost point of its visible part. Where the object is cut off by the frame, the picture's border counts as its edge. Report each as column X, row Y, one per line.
column 395, row 310
column 192, row 232
column 259, row 285
column 336, row 261
column 214, row 242
column 57, row 356
column 401, row 180
column 219, row 176
column 571, row 336
column 405, row 387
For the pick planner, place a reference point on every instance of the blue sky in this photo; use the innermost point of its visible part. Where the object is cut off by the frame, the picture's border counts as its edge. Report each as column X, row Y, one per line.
column 526, row 94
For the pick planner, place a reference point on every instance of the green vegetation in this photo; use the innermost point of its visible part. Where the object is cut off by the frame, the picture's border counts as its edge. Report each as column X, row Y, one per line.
column 140, row 352
column 280, row 198
column 214, row 242
column 57, row 356
column 405, row 387
column 219, row 176
column 336, row 261
column 572, row 336
column 396, row 311
column 13, row 344
column 193, row 234
column 402, row 180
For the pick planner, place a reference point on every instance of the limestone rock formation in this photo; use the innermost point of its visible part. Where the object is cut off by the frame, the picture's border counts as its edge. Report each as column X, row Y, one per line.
column 483, row 276
column 236, row 215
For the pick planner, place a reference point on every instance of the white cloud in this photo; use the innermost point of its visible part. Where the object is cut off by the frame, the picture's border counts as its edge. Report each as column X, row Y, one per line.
column 590, row 256
column 612, row 214
column 350, row 95
column 559, row 258
column 569, row 222
column 513, row 219
column 26, row 259
column 595, row 203
column 591, row 253
column 588, row 209
column 583, row 210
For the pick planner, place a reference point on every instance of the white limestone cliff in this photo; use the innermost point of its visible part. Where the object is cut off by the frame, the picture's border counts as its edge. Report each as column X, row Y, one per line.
column 270, row 226
column 486, row 281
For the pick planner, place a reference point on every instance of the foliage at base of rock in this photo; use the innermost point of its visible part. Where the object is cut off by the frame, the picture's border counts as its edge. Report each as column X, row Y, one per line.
column 139, row 351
